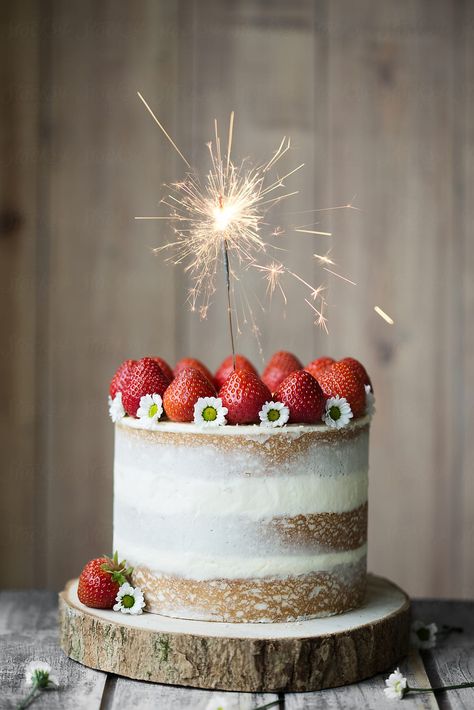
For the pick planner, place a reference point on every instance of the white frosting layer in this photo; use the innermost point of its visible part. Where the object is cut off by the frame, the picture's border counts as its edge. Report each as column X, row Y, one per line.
column 201, row 567
column 255, row 497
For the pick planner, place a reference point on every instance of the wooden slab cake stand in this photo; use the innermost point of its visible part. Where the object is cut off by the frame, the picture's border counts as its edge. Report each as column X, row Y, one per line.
column 307, row 655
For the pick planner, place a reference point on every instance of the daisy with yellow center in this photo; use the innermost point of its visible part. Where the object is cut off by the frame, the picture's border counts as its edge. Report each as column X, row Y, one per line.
column 130, row 600
column 337, row 413
column 209, row 412
column 274, row 414
column 150, row 409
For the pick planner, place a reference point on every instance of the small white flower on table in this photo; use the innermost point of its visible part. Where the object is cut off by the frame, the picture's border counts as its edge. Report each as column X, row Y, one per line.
column 220, row 701
column 396, row 685
column 38, row 675
column 116, row 409
column 129, row 599
column 337, row 413
column 423, row 636
column 369, row 400
column 209, row 412
column 274, row 414
column 150, row 409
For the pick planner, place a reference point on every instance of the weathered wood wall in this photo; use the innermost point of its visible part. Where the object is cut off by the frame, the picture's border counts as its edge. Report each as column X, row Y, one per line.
column 378, row 99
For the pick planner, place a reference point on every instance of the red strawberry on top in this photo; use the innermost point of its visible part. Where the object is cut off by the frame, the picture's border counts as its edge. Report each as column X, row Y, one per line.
column 100, row 581
column 183, row 393
column 280, row 365
column 165, row 368
column 303, row 396
column 187, row 362
column 226, row 368
column 318, row 366
column 340, row 379
column 146, row 377
column 119, row 379
column 358, row 370
column 244, row 394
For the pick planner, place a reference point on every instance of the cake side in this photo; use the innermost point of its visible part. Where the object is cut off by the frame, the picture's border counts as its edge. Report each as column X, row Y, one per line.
column 243, row 523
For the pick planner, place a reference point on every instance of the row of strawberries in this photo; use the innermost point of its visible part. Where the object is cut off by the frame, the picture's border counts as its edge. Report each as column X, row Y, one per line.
column 303, row 394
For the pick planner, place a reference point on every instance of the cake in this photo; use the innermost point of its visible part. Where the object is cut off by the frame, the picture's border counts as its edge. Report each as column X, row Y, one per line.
column 245, row 522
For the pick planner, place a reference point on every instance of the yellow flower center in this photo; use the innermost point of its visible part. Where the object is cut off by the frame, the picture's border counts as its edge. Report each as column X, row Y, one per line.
column 209, row 414
column 128, row 601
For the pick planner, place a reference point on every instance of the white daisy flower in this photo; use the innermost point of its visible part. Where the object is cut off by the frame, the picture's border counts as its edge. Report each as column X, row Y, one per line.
column 150, row 409
column 396, row 685
column 129, row 599
column 338, row 412
column 38, row 675
column 423, row 635
column 274, row 414
column 116, row 409
column 219, row 701
column 208, row 412
column 369, row 400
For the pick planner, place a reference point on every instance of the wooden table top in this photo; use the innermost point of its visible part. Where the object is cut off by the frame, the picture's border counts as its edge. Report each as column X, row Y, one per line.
column 28, row 631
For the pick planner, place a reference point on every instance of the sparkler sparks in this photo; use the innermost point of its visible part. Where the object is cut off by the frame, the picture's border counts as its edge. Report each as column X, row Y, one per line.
column 221, row 219
column 384, row 315
column 273, row 272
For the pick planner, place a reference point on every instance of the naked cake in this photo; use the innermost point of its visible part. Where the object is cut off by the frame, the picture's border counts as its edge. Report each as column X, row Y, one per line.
column 246, row 506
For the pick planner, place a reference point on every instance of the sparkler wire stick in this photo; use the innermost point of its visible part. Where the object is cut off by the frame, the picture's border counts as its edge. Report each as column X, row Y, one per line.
column 225, row 254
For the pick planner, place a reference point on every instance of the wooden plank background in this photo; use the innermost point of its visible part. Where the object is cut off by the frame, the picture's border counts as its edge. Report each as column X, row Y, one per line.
column 378, row 99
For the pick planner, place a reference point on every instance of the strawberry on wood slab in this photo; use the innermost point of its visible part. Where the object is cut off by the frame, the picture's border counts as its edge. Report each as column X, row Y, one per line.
column 100, row 581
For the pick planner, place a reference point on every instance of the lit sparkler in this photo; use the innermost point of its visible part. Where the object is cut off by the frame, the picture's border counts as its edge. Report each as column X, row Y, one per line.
column 222, row 217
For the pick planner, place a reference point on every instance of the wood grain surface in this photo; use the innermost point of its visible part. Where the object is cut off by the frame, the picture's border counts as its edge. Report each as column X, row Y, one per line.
column 308, row 656
column 378, row 99
column 28, row 630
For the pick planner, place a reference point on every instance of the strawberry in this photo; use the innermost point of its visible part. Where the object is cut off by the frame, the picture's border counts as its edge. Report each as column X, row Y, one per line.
column 359, row 370
column 280, row 365
column 186, row 362
column 164, row 367
column 146, row 377
column 100, row 581
column 318, row 366
column 244, row 394
column 183, row 393
column 226, row 368
column 119, row 379
column 340, row 379
column 304, row 397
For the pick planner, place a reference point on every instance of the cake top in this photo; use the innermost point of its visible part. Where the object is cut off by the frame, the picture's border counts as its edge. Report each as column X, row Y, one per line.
column 256, row 431
column 147, row 393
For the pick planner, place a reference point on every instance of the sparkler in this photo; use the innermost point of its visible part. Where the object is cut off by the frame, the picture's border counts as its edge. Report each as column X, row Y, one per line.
column 221, row 218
